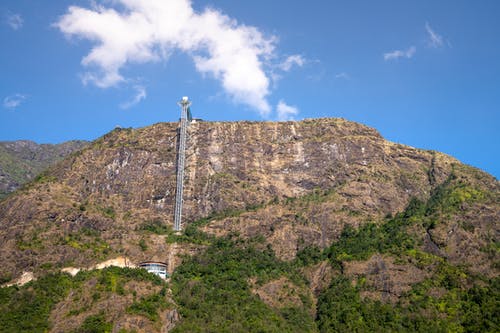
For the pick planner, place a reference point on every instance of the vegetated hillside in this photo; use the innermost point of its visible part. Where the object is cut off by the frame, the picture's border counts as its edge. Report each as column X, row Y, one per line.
column 312, row 226
column 21, row 161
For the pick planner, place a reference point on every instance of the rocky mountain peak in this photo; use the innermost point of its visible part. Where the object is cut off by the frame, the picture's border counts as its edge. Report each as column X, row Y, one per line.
column 318, row 188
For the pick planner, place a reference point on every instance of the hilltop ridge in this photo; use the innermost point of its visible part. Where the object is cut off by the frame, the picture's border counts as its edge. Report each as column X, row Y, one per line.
column 22, row 160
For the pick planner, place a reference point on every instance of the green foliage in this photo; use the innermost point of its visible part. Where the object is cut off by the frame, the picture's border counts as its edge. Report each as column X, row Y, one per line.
column 459, row 309
column 110, row 278
column 213, row 289
column 340, row 309
column 449, row 196
column 86, row 239
column 150, row 305
column 32, row 243
column 191, row 234
column 309, row 255
column 298, row 319
column 492, row 249
column 44, row 178
column 142, row 244
column 317, row 195
column 26, row 309
column 108, row 212
column 214, row 295
column 480, row 308
column 95, row 324
column 157, row 227
column 5, row 277
column 390, row 237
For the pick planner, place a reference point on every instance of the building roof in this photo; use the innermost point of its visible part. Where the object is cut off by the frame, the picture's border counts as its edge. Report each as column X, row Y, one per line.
column 153, row 262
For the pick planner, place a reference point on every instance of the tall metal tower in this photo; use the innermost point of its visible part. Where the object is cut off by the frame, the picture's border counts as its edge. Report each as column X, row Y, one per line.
column 184, row 103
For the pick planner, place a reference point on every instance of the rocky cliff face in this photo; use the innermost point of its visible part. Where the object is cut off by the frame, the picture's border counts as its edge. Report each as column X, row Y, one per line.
column 21, row 161
column 296, row 185
column 126, row 179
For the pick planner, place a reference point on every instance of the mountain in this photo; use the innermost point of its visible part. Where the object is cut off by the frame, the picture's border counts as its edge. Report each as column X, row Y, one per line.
column 21, row 161
column 312, row 226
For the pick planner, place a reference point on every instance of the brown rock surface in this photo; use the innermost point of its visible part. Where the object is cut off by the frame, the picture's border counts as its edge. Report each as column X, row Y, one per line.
column 290, row 184
column 295, row 183
column 319, row 276
column 279, row 293
column 382, row 279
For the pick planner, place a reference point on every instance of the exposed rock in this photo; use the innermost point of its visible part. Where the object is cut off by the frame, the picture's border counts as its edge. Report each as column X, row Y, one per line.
column 279, row 293
column 117, row 262
column 319, row 276
column 171, row 318
column 294, row 183
column 291, row 184
column 382, row 279
column 71, row 270
column 22, row 280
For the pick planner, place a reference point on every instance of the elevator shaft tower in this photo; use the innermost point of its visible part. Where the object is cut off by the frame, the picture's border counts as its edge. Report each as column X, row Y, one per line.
column 185, row 119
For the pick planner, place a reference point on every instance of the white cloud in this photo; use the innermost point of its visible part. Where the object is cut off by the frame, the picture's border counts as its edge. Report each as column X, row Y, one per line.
column 293, row 60
column 140, row 94
column 408, row 53
column 434, row 40
column 15, row 21
column 285, row 111
column 343, row 75
column 13, row 101
column 140, row 31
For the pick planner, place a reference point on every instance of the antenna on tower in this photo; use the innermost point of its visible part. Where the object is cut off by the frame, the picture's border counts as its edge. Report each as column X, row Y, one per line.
column 186, row 117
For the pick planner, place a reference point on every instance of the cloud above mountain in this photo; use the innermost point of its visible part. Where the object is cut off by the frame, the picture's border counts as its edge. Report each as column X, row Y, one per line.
column 396, row 54
column 434, row 39
column 140, row 94
column 12, row 102
column 286, row 112
column 15, row 21
column 142, row 31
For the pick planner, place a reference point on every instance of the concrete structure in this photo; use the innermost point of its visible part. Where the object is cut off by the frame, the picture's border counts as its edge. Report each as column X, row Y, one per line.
column 181, row 156
column 156, row 267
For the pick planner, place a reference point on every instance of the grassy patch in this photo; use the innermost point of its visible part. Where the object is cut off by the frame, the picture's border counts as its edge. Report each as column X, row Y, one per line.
column 26, row 309
column 95, row 324
column 142, row 244
column 149, row 306
column 451, row 195
column 86, row 239
column 108, row 212
column 156, row 227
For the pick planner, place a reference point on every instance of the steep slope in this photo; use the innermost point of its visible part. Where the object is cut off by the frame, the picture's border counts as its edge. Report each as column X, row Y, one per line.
column 281, row 219
column 21, row 161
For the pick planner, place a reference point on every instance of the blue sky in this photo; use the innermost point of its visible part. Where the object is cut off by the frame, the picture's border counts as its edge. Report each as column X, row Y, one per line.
column 424, row 73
